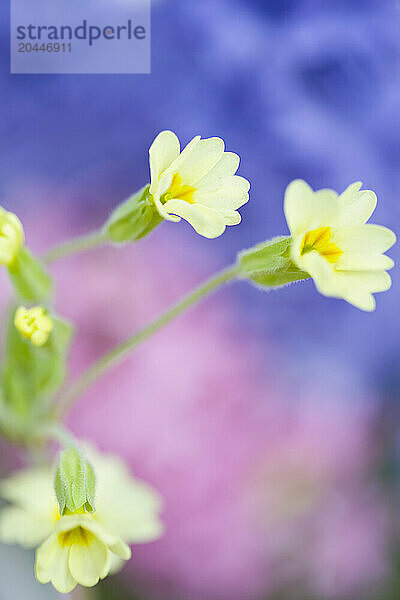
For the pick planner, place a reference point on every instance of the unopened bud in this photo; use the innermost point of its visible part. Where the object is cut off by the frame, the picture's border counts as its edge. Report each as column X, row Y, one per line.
column 75, row 482
column 34, row 324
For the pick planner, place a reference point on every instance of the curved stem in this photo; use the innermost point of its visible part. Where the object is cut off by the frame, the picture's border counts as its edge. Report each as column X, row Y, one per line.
column 58, row 433
column 78, row 244
column 115, row 355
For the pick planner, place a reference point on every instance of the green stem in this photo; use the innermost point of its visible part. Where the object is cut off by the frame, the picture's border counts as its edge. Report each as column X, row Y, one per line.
column 78, row 244
column 115, row 355
column 58, row 433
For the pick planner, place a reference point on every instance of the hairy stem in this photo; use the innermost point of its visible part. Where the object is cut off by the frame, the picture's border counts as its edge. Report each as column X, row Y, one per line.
column 74, row 246
column 119, row 352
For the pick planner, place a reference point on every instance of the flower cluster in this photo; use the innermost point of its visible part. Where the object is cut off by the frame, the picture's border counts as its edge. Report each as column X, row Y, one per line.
column 85, row 516
column 330, row 240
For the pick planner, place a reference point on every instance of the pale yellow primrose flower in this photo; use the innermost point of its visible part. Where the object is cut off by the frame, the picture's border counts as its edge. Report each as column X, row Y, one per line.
column 79, row 548
column 332, row 242
column 11, row 237
column 198, row 184
column 33, row 324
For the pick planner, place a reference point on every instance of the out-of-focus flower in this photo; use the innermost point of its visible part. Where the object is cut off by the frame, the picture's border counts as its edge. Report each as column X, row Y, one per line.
column 34, row 324
column 78, row 550
column 11, row 237
column 80, row 547
column 332, row 242
column 198, row 184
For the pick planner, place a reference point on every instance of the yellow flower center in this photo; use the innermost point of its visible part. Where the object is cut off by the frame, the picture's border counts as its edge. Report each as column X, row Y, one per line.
column 177, row 190
column 77, row 536
column 321, row 240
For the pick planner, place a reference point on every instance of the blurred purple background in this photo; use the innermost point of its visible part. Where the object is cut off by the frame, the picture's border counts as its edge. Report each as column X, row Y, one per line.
column 269, row 421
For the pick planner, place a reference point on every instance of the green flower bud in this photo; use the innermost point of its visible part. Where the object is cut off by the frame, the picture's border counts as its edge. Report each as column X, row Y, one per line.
column 269, row 264
column 34, row 324
column 133, row 219
column 74, row 482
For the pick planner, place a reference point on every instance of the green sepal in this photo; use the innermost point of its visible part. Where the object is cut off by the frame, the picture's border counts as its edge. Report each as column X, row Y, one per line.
column 74, row 482
column 31, row 374
column 133, row 219
column 29, row 277
column 269, row 264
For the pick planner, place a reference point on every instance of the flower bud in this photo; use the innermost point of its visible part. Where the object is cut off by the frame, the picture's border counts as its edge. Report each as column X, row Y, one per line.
column 74, row 482
column 11, row 237
column 34, row 324
column 133, row 219
column 269, row 264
